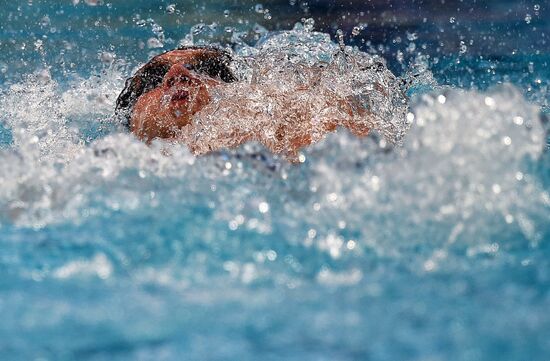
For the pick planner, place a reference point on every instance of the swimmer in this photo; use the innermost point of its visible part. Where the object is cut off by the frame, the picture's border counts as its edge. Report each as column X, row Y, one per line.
column 171, row 97
column 165, row 93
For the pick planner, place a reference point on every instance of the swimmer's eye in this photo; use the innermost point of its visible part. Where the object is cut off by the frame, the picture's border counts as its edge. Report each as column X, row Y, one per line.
column 180, row 79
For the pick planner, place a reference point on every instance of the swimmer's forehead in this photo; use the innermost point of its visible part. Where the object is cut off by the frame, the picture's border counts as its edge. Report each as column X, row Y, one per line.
column 191, row 55
column 208, row 61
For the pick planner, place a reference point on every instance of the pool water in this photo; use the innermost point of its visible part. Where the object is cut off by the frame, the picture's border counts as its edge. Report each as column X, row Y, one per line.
column 438, row 249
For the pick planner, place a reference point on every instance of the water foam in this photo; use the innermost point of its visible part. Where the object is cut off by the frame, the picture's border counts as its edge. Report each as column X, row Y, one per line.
column 464, row 158
column 295, row 86
column 443, row 237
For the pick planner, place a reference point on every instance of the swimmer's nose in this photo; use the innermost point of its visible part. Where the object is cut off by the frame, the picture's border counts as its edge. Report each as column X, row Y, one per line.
column 178, row 80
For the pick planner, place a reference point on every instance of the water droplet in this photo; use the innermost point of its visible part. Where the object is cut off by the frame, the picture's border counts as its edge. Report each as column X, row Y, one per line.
column 463, row 48
column 263, row 207
column 490, row 102
column 412, row 36
column 171, row 8
column 518, row 120
column 154, row 43
column 107, row 57
column 309, row 24
column 38, row 44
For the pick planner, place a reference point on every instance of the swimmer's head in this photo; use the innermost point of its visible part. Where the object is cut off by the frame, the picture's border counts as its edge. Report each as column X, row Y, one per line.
column 209, row 65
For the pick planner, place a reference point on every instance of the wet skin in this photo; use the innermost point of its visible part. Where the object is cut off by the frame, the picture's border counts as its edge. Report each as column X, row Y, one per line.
column 161, row 112
column 165, row 94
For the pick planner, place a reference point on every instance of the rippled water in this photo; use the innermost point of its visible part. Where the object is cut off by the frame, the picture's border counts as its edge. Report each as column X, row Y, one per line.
column 434, row 250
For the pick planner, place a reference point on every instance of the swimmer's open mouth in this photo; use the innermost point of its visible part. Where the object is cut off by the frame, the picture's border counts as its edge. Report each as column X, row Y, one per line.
column 180, row 95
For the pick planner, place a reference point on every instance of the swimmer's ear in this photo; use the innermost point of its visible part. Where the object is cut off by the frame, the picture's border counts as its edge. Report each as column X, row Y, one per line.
column 147, row 78
column 214, row 62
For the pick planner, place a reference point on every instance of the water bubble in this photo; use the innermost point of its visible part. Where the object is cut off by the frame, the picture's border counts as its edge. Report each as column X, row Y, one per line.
column 259, row 8
column 171, row 8
column 518, row 120
column 45, row 21
column 44, row 76
column 536, row 7
column 490, row 102
column 38, row 45
column 226, row 13
column 153, row 43
column 452, row 19
column 309, row 24
column 263, row 207
column 198, row 28
column 463, row 48
column 528, row 18
column 412, row 36
column 400, row 56
column 106, row 57
column 519, row 176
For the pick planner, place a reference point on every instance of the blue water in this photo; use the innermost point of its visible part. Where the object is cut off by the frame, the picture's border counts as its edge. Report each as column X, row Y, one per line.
column 435, row 250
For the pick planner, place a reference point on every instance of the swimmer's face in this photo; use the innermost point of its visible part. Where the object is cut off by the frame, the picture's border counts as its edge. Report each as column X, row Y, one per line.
column 163, row 111
column 164, row 94
column 186, row 92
